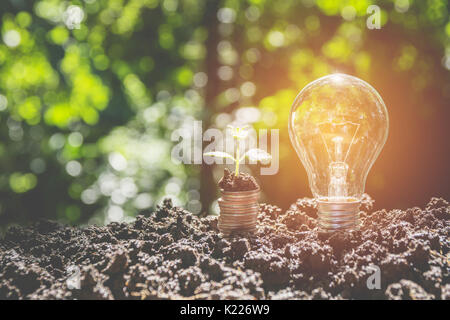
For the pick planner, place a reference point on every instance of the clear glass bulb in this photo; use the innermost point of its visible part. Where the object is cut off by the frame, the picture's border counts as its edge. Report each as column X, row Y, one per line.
column 338, row 125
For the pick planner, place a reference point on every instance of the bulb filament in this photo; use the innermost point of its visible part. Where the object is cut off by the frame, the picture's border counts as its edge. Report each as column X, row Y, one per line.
column 338, row 168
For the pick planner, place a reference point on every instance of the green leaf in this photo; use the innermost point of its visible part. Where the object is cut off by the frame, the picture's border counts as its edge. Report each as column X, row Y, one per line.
column 257, row 155
column 219, row 154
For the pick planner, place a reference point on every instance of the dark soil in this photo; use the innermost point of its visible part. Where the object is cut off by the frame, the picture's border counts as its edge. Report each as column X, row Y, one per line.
column 174, row 254
column 242, row 182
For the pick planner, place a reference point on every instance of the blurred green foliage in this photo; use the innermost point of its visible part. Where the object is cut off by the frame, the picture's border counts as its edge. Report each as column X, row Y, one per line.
column 90, row 90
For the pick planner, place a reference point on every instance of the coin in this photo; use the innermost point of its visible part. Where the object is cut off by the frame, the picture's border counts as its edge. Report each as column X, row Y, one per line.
column 238, row 211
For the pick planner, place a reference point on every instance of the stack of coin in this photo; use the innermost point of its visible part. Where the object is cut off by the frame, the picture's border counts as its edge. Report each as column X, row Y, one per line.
column 238, row 211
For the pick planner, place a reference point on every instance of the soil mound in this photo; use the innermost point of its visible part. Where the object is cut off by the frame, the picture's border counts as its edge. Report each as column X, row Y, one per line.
column 174, row 254
column 242, row 182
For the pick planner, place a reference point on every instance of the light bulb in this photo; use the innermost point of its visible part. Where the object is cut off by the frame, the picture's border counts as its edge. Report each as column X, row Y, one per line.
column 338, row 125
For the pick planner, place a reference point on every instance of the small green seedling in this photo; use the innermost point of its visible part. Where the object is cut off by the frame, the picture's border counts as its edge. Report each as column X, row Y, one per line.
column 240, row 133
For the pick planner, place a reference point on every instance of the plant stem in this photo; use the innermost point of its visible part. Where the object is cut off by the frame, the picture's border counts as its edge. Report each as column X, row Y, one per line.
column 236, row 172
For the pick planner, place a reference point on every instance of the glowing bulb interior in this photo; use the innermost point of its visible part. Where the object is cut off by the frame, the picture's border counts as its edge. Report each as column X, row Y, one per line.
column 338, row 125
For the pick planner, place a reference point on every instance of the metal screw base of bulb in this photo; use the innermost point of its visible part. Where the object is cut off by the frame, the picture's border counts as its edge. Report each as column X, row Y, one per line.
column 338, row 216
